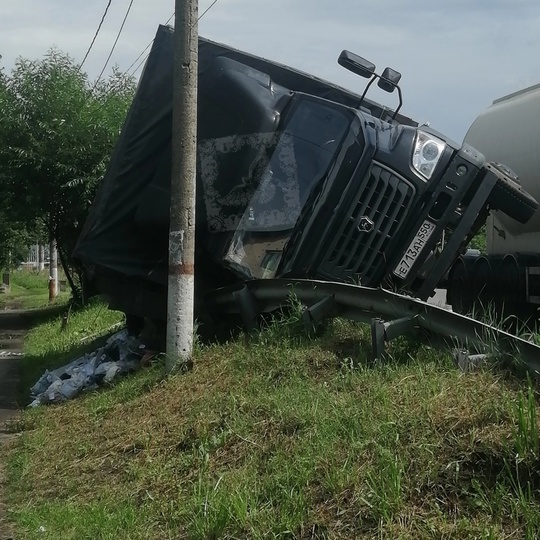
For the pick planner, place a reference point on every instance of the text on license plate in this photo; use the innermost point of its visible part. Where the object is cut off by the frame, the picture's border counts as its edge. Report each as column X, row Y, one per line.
column 415, row 248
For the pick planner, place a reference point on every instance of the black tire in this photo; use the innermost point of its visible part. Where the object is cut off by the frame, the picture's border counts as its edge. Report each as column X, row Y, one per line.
column 457, row 294
column 509, row 197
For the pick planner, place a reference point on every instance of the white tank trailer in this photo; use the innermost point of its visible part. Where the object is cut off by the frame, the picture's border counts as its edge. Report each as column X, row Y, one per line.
column 507, row 277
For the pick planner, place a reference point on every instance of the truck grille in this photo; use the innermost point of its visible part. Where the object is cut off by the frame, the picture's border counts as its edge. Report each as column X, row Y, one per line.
column 384, row 199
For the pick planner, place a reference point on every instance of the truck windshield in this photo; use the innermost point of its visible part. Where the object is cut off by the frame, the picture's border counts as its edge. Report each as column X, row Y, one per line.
column 307, row 144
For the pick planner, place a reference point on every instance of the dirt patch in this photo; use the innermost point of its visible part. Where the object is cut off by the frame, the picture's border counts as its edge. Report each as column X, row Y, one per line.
column 12, row 304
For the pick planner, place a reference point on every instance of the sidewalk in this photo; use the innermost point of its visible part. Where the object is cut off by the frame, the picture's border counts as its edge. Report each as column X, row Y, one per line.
column 13, row 326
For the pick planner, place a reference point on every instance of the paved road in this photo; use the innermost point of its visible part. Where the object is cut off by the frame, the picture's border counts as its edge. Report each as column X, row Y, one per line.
column 13, row 326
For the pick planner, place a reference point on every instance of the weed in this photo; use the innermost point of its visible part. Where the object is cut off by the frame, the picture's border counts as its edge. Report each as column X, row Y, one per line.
column 526, row 433
column 385, row 494
column 288, row 324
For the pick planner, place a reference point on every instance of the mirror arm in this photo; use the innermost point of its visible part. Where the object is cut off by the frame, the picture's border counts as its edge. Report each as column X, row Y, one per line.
column 375, row 76
column 400, row 103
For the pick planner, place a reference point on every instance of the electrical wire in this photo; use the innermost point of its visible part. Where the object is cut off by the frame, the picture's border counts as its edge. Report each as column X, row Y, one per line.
column 145, row 49
column 207, row 10
column 96, row 34
column 127, row 72
column 138, row 57
column 146, row 57
column 115, row 42
column 140, row 65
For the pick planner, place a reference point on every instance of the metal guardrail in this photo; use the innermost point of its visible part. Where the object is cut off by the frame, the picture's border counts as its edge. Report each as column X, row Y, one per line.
column 389, row 314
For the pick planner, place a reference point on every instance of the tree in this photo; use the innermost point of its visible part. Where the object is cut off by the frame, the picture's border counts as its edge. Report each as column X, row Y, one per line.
column 57, row 132
column 14, row 241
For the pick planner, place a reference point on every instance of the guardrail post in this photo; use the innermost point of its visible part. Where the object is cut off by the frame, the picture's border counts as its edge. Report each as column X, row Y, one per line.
column 381, row 332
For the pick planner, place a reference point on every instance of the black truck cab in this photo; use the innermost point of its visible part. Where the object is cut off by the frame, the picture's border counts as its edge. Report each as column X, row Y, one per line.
column 336, row 193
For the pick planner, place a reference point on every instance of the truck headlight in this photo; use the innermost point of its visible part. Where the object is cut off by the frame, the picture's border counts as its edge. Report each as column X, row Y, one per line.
column 427, row 152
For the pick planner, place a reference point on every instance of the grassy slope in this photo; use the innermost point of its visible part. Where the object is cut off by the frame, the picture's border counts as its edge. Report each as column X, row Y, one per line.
column 281, row 437
column 30, row 290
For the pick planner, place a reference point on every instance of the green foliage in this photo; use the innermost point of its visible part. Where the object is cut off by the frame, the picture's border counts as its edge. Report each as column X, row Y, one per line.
column 526, row 436
column 479, row 240
column 14, row 239
column 57, row 132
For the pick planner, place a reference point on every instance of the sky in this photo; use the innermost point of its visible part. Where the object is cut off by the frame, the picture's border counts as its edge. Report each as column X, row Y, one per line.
column 455, row 56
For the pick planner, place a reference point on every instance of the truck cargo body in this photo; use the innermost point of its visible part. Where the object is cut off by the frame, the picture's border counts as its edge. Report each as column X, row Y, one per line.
column 295, row 178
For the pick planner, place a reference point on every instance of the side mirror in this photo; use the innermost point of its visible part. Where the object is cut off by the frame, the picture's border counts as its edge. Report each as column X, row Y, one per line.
column 356, row 64
column 389, row 80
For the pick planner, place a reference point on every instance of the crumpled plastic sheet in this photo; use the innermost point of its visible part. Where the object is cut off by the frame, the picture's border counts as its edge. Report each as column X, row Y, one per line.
column 120, row 355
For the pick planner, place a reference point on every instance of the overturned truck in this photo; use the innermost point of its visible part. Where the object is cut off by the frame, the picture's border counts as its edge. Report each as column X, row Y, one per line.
column 296, row 177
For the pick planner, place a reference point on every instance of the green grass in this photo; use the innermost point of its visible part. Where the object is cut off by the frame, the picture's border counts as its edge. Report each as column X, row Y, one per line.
column 30, row 279
column 30, row 290
column 283, row 436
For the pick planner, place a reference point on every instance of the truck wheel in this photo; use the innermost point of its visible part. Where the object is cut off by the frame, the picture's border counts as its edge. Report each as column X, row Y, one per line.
column 457, row 293
column 509, row 197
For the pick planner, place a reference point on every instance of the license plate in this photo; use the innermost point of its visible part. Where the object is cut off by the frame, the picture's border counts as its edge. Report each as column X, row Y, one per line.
column 415, row 248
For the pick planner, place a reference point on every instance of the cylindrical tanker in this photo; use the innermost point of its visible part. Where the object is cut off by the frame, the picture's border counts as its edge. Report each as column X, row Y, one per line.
column 507, row 277
column 508, row 132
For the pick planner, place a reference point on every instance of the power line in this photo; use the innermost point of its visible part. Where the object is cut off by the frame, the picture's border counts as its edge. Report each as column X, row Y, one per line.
column 207, row 10
column 145, row 49
column 138, row 57
column 133, row 63
column 115, row 42
column 140, row 65
column 146, row 57
column 96, row 34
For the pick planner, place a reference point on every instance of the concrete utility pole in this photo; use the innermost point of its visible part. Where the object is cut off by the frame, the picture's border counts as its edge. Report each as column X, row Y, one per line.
column 53, row 270
column 41, row 257
column 184, row 161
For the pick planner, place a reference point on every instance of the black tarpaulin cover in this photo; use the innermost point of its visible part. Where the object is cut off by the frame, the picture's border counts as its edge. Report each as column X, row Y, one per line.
column 126, row 230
